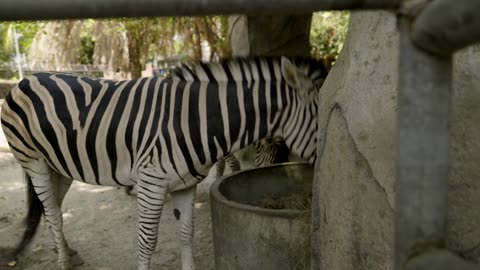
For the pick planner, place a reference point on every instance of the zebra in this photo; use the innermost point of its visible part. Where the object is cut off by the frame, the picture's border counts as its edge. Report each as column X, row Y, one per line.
column 267, row 151
column 162, row 134
column 232, row 162
column 270, row 151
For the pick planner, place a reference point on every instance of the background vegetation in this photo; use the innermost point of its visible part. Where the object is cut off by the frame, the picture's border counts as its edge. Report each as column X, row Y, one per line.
column 124, row 46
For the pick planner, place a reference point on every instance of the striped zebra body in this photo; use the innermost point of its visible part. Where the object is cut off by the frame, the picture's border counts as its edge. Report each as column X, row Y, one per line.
column 162, row 134
column 232, row 162
column 270, row 151
column 267, row 151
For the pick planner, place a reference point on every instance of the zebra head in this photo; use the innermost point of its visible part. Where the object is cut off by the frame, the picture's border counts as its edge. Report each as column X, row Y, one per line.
column 299, row 124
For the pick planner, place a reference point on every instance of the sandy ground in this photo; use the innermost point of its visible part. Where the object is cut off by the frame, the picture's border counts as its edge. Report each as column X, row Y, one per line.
column 100, row 223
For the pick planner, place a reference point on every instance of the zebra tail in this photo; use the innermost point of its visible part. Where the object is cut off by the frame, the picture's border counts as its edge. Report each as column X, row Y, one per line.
column 35, row 211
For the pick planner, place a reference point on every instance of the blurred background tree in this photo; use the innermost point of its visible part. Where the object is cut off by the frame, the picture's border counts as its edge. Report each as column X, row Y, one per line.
column 124, row 46
column 327, row 34
column 28, row 31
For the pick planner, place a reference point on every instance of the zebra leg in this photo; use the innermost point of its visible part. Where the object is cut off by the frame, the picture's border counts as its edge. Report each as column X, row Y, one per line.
column 51, row 194
column 150, row 198
column 183, row 210
column 62, row 184
column 220, row 167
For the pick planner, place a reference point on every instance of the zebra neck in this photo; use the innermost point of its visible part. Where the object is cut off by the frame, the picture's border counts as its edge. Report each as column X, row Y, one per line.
column 299, row 130
column 226, row 117
column 262, row 107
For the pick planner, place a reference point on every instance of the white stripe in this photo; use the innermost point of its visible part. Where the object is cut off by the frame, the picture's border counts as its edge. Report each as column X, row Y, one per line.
column 202, row 101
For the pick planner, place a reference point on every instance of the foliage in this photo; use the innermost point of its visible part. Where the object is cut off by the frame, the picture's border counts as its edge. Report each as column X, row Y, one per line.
column 4, row 54
column 328, row 32
column 184, row 36
column 126, row 45
column 118, row 44
column 87, row 42
column 28, row 31
column 149, row 39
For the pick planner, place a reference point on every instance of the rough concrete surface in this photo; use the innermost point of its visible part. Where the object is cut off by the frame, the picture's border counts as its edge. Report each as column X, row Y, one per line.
column 356, row 171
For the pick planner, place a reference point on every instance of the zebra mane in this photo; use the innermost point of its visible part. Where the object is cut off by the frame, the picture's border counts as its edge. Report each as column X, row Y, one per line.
column 243, row 68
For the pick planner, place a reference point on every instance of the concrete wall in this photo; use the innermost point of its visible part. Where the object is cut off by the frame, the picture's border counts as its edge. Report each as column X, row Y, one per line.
column 355, row 174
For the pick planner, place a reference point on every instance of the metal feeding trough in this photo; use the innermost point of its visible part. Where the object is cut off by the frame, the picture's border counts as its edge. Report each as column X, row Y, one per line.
column 261, row 218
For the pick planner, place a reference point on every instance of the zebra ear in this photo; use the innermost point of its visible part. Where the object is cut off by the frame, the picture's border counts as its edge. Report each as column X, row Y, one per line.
column 289, row 73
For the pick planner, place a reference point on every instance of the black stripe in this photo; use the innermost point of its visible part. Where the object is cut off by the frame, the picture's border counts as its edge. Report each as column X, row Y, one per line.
column 313, row 121
column 19, row 151
column 45, row 126
column 283, row 101
column 61, row 108
column 79, row 94
column 165, row 131
column 158, row 146
column 273, row 91
column 131, row 120
column 156, row 116
column 215, row 128
column 233, row 111
column 177, row 127
column 206, row 68
column 297, row 127
column 146, row 113
column 92, row 132
column 250, row 117
column 17, row 134
column 113, row 127
column 194, row 121
column 262, row 102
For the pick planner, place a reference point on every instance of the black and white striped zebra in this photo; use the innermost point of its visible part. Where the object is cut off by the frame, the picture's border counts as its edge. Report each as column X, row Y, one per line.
column 229, row 160
column 270, row 151
column 267, row 151
column 162, row 134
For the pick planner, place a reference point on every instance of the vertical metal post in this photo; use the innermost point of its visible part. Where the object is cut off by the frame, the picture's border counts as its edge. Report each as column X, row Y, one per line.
column 422, row 149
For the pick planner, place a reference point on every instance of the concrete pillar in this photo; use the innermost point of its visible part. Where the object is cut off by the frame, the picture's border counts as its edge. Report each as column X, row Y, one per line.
column 355, row 173
column 270, row 35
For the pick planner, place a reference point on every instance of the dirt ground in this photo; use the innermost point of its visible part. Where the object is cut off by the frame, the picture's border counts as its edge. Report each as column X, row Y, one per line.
column 100, row 223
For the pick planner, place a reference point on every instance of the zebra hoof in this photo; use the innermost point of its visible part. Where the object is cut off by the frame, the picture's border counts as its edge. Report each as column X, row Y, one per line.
column 75, row 259
column 130, row 190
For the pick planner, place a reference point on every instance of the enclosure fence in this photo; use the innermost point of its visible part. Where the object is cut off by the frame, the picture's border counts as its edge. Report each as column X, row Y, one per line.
column 430, row 32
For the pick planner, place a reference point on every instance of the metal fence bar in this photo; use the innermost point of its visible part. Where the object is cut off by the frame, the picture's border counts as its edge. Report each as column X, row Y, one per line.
column 422, row 149
column 445, row 26
column 74, row 9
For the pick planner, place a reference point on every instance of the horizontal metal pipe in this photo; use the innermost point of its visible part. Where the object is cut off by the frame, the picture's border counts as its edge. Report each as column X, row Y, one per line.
column 76, row 9
column 445, row 26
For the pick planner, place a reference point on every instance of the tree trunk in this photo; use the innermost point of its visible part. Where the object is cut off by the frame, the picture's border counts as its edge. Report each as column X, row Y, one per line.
column 134, row 63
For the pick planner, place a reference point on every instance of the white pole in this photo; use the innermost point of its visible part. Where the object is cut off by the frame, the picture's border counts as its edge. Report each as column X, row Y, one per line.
column 17, row 53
